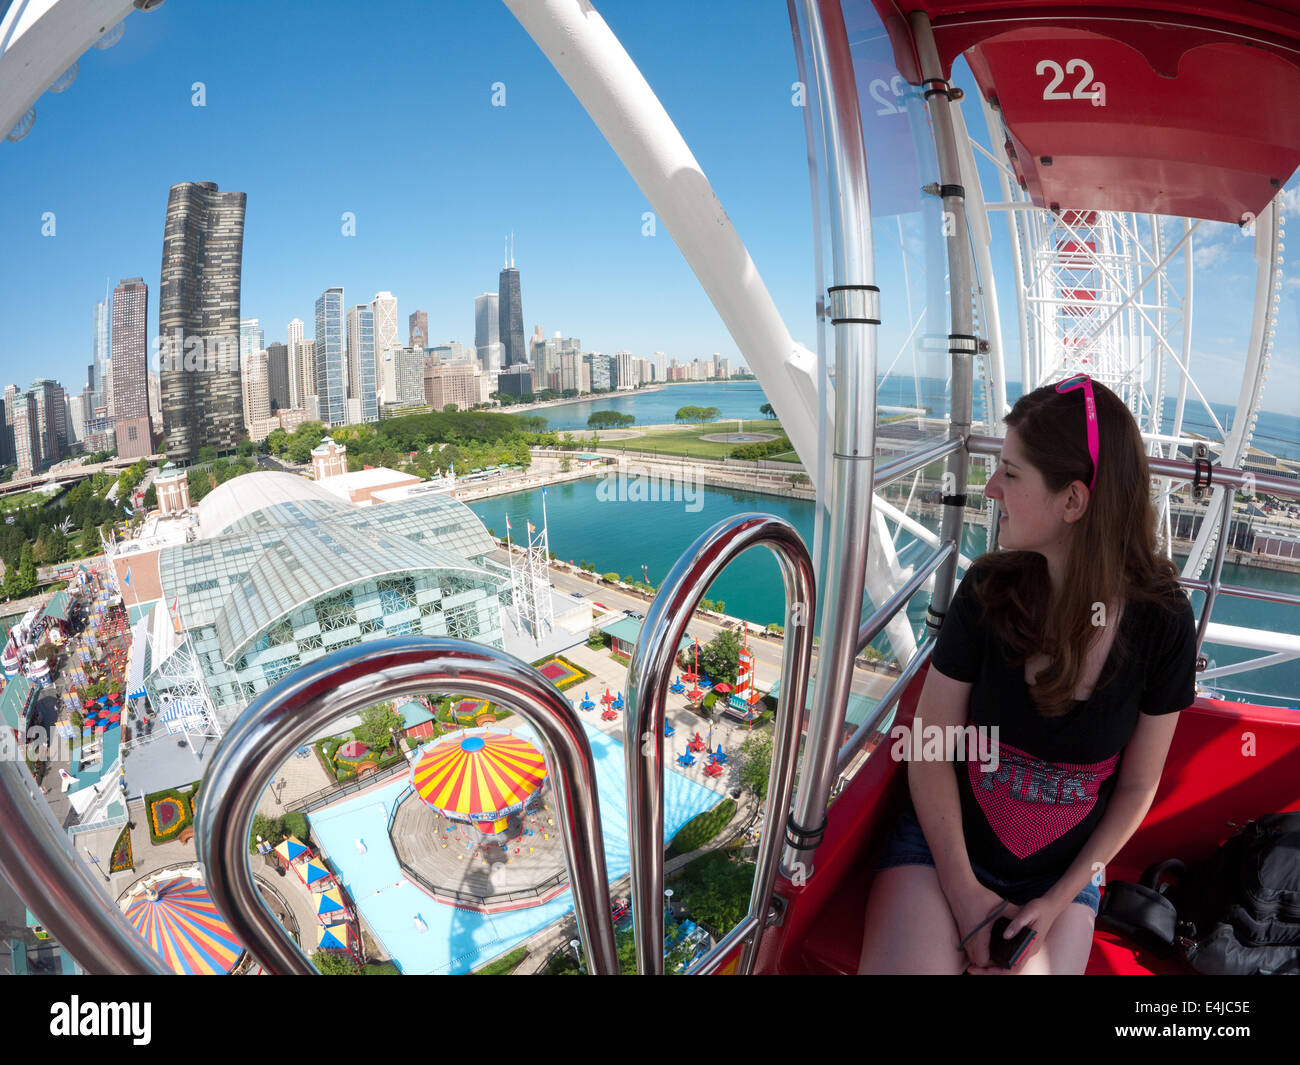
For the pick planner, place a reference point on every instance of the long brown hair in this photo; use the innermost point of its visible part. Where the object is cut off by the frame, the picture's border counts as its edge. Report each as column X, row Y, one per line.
column 1113, row 555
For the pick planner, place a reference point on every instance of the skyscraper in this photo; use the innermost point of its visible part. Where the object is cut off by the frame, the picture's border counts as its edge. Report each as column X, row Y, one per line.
column 131, row 423
column 277, row 375
column 487, row 333
column 384, row 306
column 297, row 373
column 361, row 362
column 198, row 316
column 250, row 336
column 418, row 330
column 510, row 312
column 331, row 382
column 101, row 349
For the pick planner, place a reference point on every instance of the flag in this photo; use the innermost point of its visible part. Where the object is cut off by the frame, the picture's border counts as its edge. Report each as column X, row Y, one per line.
column 128, row 575
column 176, row 606
column 531, row 528
column 509, row 527
column 129, row 511
column 543, row 489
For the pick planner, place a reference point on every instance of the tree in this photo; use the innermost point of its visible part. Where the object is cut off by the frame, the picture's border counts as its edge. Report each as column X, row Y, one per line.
column 150, row 497
column 377, row 726
column 247, row 448
column 27, row 580
column 333, row 963
column 756, row 762
column 90, row 539
column 766, row 409
column 450, row 408
column 720, row 657
column 269, row 828
column 207, row 454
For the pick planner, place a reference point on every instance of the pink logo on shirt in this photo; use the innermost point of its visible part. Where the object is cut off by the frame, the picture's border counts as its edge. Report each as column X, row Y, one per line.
column 1030, row 803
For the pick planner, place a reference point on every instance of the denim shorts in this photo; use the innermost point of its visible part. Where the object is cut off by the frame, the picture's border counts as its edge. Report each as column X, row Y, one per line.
column 907, row 846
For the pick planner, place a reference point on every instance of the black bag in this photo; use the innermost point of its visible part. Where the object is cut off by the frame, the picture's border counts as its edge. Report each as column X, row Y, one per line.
column 1238, row 913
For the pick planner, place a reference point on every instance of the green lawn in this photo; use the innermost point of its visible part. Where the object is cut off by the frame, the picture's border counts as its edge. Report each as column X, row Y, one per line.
column 686, row 440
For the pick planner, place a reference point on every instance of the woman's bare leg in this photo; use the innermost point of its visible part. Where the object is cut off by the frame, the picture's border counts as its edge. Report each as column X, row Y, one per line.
column 909, row 927
column 1068, row 944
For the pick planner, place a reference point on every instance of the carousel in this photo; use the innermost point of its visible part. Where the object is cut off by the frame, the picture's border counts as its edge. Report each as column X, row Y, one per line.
column 479, row 777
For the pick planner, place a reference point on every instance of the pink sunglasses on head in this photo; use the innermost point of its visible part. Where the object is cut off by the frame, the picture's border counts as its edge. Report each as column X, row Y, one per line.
column 1082, row 380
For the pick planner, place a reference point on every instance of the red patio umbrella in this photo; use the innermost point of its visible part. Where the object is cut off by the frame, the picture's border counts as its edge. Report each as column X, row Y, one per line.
column 723, row 687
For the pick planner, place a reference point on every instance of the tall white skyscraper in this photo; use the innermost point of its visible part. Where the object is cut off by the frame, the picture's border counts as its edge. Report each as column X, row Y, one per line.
column 384, row 307
column 487, row 332
column 103, row 350
column 297, row 371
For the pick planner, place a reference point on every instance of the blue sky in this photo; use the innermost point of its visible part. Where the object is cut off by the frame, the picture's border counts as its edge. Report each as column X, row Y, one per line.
column 319, row 108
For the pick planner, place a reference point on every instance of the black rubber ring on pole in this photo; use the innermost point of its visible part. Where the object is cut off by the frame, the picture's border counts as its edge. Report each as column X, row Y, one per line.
column 953, row 190
column 804, row 839
column 861, row 321
column 1209, row 474
column 955, row 501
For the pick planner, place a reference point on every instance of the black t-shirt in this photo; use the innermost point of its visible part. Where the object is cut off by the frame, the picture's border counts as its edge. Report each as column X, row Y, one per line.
column 1032, row 815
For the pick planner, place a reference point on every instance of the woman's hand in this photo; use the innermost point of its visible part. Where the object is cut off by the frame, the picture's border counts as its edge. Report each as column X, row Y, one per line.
column 1040, row 914
column 970, row 906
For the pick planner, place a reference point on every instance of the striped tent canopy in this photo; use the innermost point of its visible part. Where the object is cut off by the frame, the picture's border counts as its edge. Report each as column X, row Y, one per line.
column 481, row 776
column 332, row 937
column 291, row 850
column 329, row 901
column 179, row 920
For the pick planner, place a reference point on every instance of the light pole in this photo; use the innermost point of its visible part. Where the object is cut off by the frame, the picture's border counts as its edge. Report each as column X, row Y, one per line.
column 90, row 857
column 576, row 947
column 277, row 789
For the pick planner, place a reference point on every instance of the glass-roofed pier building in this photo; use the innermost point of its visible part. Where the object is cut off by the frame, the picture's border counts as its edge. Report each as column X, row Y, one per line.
column 282, row 572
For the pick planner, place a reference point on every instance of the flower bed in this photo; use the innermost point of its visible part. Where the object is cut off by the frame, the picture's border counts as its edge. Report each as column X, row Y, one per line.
column 170, row 812
column 561, row 672
column 122, row 859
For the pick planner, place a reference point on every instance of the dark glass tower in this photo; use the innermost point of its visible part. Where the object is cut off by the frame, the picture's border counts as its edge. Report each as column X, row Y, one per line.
column 198, row 317
column 510, row 311
column 277, row 375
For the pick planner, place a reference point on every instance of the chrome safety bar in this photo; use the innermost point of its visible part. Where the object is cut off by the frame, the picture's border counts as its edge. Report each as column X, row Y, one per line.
column 37, row 859
column 1241, row 592
column 915, row 460
column 648, row 677
column 291, row 712
column 891, row 697
column 884, row 614
column 1181, row 469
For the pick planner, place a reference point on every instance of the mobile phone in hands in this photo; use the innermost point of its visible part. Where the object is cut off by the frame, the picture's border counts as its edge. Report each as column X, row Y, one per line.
column 1004, row 953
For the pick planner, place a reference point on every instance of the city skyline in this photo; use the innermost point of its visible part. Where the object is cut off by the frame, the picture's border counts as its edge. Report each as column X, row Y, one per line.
column 591, row 256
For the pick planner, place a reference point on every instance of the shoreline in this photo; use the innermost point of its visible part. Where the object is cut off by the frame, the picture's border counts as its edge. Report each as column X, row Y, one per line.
column 767, row 483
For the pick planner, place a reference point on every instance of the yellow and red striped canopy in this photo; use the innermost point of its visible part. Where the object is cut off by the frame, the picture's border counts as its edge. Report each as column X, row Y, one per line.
column 478, row 775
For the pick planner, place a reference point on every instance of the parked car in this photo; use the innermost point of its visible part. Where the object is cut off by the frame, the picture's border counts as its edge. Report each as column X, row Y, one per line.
column 576, row 595
column 635, row 614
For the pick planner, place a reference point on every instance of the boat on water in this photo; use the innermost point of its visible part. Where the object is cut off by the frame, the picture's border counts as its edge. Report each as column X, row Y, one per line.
column 1107, row 144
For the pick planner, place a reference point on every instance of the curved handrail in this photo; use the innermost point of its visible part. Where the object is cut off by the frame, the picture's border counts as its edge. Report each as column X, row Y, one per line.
column 288, row 714
column 648, row 675
column 38, row 861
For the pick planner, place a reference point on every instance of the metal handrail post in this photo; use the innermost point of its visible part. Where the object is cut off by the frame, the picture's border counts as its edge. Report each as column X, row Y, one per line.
column 288, row 714
column 963, row 345
column 854, row 304
column 1216, row 569
column 37, row 859
column 647, row 690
